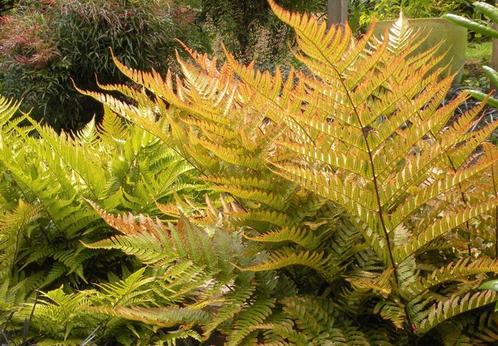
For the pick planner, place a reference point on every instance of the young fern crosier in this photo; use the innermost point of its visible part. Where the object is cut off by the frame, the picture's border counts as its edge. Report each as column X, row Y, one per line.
column 362, row 126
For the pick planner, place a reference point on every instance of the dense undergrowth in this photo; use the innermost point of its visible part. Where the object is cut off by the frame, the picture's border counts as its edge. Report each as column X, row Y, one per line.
column 47, row 45
column 342, row 204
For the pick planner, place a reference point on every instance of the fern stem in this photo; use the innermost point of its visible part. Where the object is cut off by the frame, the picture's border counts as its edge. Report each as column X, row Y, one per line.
column 379, row 204
column 28, row 322
column 374, row 176
column 369, row 150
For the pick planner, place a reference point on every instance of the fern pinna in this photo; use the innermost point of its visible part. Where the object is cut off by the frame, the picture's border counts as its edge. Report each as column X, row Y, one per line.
column 350, row 203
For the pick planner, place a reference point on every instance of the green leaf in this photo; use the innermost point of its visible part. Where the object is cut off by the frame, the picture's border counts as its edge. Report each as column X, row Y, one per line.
column 471, row 25
column 482, row 96
column 488, row 10
column 490, row 285
column 491, row 74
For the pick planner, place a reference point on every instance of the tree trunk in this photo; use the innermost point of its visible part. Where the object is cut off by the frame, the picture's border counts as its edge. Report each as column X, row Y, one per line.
column 337, row 11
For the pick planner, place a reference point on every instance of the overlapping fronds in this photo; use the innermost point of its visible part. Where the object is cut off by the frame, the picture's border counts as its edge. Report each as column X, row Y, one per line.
column 345, row 177
column 454, row 271
column 45, row 179
column 401, row 156
column 315, row 321
column 13, row 226
column 226, row 142
column 453, row 306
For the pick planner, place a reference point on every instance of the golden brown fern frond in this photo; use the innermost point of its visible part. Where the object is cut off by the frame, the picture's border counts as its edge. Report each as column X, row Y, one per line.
column 363, row 126
column 129, row 224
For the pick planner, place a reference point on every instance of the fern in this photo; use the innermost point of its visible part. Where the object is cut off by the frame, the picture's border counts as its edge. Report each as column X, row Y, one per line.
column 13, row 225
column 345, row 196
column 453, row 306
column 364, row 129
column 45, row 179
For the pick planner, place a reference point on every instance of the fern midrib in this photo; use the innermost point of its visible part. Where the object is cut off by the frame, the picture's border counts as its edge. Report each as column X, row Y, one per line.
column 370, row 156
column 374, row 177
column 369, row 152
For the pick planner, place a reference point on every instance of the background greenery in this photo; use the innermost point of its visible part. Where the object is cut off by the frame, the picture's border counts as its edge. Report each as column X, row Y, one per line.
column 47, row 45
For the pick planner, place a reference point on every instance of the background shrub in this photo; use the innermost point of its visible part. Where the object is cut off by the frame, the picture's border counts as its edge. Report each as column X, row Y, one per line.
column 46, row 44
column 250, row 30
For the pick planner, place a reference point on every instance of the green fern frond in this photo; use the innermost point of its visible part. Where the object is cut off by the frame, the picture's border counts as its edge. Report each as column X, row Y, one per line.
column 60, row 314
column 442, row 226
column 111, row 127
column 145, row 246
column 52, row 342
column 12, row 227
column 453, row 306
column 7, row 109
column 270, row 199
column 172, row 338
column 327, row 266
column 313, row 315
column 252, row 315
column 234, row 303
column 392, row 312
column 454, row 271
column 161, row 317
column 302, row 237
column 131, row 290
column 316, row 324
column 257, row 217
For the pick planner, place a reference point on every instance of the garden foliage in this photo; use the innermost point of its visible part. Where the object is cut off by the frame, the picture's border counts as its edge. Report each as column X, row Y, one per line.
column 353, row 209
column 249, row 29
column 45, row 46
column 362, row 12
column 45, row 181
column 488, row 30
column 6, row 5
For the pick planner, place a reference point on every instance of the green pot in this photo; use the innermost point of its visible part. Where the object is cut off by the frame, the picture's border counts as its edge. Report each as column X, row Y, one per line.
column 438, row 30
